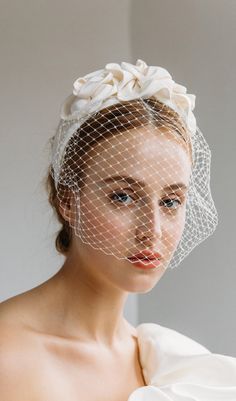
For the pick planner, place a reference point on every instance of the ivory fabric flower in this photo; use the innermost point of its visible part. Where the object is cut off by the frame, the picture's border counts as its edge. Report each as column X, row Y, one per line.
column 123, row 82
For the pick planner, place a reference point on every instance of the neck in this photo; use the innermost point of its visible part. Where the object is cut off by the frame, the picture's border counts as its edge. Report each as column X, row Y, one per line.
column 88, row 307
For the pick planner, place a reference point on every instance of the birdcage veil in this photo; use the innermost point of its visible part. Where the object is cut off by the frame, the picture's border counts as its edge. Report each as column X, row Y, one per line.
column 129, row 132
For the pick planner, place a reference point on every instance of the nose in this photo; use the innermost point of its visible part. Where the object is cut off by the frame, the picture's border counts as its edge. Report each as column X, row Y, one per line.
column 149, row 227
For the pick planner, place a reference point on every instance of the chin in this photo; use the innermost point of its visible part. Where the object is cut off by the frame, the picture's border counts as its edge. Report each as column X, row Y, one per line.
column 142, row 281
column 141, row 288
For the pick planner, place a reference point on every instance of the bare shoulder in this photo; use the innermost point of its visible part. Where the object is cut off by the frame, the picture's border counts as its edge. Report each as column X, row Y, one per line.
column 24, row 309
column 17, row 353
column 12, row 345
column 16, row 325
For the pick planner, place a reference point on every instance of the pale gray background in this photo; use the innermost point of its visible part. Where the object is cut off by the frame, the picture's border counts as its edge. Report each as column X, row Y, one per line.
column 45, row 46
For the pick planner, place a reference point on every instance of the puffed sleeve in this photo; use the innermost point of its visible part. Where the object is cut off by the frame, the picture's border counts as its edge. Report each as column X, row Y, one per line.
column 177, row 368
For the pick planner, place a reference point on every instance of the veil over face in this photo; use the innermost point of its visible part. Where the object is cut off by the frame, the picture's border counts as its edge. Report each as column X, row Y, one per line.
column 135, row 168
column 134, row 194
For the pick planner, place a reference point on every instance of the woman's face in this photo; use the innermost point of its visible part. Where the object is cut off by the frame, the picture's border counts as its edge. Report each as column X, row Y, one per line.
column 129, row 204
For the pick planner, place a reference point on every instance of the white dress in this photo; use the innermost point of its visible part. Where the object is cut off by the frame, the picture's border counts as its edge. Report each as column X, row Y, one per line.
column 177, row 368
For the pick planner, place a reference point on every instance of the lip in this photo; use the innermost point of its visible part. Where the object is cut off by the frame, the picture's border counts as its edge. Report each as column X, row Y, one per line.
column 146, row 253
column 145, row 265
column 146, row 259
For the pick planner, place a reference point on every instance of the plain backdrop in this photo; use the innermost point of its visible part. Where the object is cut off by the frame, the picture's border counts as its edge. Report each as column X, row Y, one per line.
column 45, row 46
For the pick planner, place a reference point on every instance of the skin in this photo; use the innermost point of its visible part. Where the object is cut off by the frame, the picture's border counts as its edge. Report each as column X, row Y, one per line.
column 75, row 319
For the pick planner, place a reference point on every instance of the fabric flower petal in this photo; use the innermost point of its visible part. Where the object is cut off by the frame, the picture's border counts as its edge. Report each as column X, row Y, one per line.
column 124, row 82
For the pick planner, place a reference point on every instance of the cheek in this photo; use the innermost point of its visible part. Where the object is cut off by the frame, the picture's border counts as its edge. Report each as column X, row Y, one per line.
column 174, row 228
column 101, row 226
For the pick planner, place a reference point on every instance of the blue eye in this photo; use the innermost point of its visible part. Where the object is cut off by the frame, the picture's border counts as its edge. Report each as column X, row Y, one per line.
column 169, row 202
column 120, row 196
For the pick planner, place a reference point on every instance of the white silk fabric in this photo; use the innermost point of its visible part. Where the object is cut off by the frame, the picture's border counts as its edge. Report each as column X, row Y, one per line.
column 177, row 368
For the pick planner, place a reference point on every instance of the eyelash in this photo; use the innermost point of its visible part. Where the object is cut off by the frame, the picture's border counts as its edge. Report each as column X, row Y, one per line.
column 164, row 200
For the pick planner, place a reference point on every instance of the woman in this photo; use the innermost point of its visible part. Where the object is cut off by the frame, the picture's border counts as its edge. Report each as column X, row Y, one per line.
column 129, row 182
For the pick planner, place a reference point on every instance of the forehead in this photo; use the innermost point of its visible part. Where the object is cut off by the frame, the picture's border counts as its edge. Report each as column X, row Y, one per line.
column 145, row 153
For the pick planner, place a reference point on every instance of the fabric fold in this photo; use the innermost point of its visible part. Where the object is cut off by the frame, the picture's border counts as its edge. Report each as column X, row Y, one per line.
column 177, row 368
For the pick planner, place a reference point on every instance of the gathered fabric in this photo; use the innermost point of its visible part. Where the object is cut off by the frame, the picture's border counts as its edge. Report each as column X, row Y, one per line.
column 177, row 368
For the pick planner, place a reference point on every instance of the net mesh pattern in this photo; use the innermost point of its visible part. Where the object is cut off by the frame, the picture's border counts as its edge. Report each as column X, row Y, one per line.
column 132, row 178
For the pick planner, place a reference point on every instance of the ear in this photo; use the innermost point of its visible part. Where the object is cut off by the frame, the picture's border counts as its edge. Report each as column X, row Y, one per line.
column 66, row 206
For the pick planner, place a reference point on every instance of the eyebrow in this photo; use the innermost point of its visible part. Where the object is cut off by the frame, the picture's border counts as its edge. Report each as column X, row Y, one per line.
column 132, row 181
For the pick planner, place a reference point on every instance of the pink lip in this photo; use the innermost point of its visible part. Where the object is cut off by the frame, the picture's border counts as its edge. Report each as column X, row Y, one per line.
column 147, row 264
column 146, row 254
column 146, row 259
